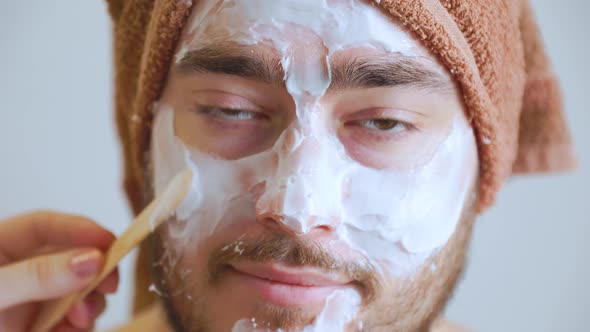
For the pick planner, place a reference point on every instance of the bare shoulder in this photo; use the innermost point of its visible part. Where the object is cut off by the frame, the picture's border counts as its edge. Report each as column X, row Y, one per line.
column 442, row 325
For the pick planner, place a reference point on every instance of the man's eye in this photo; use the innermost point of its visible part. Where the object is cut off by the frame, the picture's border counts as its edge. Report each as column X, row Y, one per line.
column 230, row 113
column 389, row 125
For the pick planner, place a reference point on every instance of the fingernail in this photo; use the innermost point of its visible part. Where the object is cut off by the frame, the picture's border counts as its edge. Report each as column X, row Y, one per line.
column 86, row 263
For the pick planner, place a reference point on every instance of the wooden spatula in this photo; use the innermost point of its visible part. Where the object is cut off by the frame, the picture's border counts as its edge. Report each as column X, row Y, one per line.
column 151, row 217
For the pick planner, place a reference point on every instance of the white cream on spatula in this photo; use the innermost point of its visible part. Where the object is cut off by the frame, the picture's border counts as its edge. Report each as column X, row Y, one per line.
column 172, row 200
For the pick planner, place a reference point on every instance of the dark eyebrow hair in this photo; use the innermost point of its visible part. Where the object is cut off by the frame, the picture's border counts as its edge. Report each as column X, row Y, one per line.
column 364, row 72
column 232, row 61
column 387, row 71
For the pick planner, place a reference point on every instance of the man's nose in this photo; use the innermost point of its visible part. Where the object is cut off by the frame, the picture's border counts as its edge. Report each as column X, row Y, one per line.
column 304, row 192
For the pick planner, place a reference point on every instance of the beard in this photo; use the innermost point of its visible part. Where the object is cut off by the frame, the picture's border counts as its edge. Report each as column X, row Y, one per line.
column 389, row 303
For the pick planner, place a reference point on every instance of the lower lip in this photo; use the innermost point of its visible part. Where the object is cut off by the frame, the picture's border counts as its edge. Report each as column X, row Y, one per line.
column 286, row 294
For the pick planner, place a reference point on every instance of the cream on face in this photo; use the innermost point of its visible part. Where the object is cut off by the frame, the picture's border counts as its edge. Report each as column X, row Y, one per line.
column 395, row 212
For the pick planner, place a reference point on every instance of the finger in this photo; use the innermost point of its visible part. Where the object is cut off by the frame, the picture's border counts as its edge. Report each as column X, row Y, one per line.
column 22, row 235
column 83, row 314
column 47, row 277
column 110, row 284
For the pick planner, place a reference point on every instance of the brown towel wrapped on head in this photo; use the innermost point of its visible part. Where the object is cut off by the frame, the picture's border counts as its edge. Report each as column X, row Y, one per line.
column 492, row 47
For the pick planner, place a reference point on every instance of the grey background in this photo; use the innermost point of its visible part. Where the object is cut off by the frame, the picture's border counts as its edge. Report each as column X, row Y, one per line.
column 528, row 268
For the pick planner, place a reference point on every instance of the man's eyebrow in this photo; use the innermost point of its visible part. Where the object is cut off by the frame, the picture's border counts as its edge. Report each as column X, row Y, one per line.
column 389, row 70
column 232, row 61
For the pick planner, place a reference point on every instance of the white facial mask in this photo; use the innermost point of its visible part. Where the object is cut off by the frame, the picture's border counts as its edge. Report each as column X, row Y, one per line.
column 394, row 218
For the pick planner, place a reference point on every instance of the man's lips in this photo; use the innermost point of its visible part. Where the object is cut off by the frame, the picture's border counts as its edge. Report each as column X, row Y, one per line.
column 287, row 285
column 291, row 275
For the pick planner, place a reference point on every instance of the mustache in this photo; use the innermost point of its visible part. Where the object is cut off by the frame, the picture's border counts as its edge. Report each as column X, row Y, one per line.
column 294, row 251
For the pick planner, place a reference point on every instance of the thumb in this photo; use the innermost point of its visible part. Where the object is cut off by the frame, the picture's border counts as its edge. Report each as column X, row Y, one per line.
column 47, row 277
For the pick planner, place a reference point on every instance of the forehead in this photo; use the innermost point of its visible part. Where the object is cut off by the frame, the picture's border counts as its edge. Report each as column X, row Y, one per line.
column 316, row 26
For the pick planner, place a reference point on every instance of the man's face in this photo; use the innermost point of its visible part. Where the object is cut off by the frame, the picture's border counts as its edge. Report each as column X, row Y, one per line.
column 334, row 169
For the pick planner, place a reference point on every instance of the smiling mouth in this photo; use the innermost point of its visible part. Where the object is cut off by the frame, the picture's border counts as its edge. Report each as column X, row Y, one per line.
column 287, row 285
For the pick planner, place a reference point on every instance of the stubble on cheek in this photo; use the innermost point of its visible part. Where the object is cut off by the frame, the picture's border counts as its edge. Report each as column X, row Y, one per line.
column 194, row 299
column 409, row 304
column 414, row 303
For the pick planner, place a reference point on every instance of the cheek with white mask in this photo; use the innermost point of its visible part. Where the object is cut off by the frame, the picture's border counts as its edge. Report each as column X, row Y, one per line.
column 308, row 181
column 395, row 209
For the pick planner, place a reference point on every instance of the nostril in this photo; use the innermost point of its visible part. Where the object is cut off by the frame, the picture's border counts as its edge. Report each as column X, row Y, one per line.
column 270, row 218
column 266, row 212
column 324, row 228
column 278, row 223
column 312, row 225
column 324, row 225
